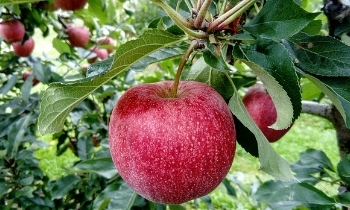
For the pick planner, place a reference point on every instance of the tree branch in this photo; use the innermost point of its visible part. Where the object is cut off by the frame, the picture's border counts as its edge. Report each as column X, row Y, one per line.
column 322, row 110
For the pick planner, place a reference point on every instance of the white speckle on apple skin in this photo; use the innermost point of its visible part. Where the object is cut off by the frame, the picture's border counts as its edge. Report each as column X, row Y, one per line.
column 172, row 150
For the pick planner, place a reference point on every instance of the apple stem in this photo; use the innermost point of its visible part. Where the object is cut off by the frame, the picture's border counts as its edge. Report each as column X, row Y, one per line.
column 194, row 45
column 62, row 23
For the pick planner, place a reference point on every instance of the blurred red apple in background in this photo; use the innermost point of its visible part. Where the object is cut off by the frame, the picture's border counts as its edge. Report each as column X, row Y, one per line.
column 70, row 4
column 12, row 30
column 78, row 36
column 108, row 41
column 101, row 54
column 261, row 108
column 24, row 48
column 28, row 74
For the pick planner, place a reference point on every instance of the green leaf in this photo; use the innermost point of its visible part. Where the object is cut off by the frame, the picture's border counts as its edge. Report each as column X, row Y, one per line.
column 286, row 196
column 215, row 61
column 117, row 195
column 337, row 90
column 15, row 135
column 123, row 199
column 230, row 190
column 84, row 147
column 9, row 85
column 162, row 54
column 98, row 9
column 59, row 99
column 176, row 207
column 26, row 88
column 344, row 169
column 99, row 68
column 101, row 166
column 270, row 161
column 279, row 19
column 3, row 188
column 200, row 71
column 320, row 55
column 246, row 138
column 42, row 72
column 313, row 28
column 271, row 62
column 309, row 91
column 26, row 191
column 344, row 198
column 62, row 186
column 311, row 166
column 27, row 180
column 61, row 46
column 10, row 2
column 112, row 9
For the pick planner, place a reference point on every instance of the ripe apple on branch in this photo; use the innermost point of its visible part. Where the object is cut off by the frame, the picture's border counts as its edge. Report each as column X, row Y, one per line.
column 12, row 30
column 24, row 48
column 78, row 36
column 166, row 147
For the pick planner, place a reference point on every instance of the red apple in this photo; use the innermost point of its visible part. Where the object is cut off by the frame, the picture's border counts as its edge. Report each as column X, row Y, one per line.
column 28, row 74
column 108, row 41
column 172, row 150
column 101, row 54
column 70, row 4
column 78, row 36
column 263, row 111
column 24, row 49
column 12, row 30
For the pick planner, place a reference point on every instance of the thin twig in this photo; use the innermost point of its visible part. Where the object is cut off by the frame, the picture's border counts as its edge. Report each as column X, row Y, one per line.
column 230, row 15
column 202, row 13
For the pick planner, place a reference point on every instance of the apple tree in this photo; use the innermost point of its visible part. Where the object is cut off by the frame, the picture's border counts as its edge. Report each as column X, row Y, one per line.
column 103, row 49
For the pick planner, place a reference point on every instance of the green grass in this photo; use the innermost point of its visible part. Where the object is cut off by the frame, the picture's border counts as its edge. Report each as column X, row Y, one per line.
column 307, row 132
column 54, row 166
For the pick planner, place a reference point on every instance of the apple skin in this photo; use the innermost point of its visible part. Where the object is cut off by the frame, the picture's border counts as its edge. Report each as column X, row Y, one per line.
column 24, row 49
column 12, row 30
column 261, row 108
column 172, row 150
column 28, row 74
column 70, row 4
column 107, row 41
column 101, row 54
column 78, row 36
